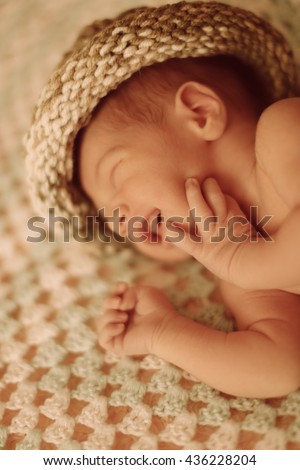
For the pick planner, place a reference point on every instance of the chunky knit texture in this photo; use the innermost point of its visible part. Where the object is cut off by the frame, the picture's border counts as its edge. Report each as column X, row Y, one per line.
column 110, row 51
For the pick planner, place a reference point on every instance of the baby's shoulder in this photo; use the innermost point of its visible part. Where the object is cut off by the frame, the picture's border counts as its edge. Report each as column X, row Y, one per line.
column 277, row 134
column 278, row 148
column 279, row 114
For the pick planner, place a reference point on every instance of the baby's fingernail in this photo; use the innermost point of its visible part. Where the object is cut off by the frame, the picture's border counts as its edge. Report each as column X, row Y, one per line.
column 210, row 182
column 191, row 182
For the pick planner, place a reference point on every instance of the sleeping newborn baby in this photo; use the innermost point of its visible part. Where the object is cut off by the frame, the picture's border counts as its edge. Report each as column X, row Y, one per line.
column 174, row 139
column 199, row 156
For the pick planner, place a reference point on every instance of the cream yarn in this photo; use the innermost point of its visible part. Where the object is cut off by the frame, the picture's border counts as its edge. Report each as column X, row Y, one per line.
column 109, row 51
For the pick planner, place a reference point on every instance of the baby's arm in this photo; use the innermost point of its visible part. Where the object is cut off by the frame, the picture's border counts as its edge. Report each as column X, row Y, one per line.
column 277, row 264
column 270, row 264
column 261, row 359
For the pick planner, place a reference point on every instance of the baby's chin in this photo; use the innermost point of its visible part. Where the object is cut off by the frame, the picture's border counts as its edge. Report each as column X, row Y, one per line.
column 162, row 252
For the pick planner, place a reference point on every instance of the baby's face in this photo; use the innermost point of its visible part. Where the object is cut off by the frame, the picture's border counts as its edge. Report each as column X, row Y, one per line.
column 135, row 171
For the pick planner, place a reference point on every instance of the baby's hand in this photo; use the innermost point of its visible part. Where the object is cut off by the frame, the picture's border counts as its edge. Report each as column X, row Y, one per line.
column 220, row 227
column 133, row 318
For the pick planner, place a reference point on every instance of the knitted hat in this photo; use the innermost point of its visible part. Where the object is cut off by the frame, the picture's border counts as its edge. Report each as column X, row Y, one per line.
column 110, row 51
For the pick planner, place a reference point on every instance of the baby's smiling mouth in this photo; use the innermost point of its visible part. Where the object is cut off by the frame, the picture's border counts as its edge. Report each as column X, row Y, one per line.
column 154, row 227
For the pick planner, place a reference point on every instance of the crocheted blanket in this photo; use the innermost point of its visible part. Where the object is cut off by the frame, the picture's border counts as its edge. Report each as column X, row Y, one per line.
column 58, row 389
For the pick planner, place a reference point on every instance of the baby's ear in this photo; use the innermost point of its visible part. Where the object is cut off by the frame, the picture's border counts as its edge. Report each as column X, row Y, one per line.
column 202, row 110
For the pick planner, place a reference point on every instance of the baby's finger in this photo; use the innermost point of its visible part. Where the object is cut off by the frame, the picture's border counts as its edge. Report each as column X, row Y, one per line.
column 128, row 300
column 200, row 210
column 108, row 336
column 195, row 198
column 111, row 316
column 215, row 198
column 111, row 302
column 119, row 288
column 233, row 206
column 114, row 299
column 188, row 242
column 113, row 329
